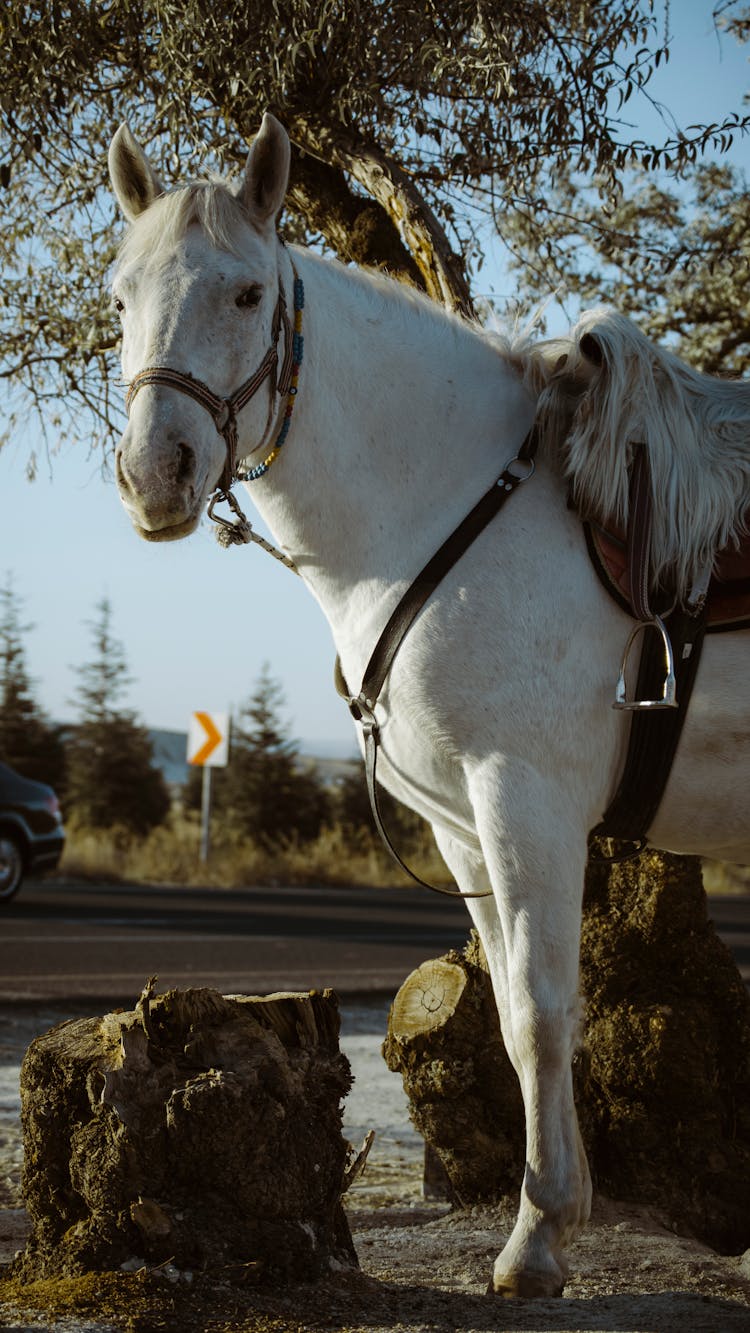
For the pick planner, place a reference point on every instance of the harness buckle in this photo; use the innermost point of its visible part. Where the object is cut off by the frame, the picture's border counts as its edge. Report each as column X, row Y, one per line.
column 509, row 479
column 669, row 691
column 363, row 711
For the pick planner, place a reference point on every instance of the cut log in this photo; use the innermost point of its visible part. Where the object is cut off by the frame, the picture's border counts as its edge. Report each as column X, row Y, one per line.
column 198, row 1128
column 464, row 1098
column 663, row 1077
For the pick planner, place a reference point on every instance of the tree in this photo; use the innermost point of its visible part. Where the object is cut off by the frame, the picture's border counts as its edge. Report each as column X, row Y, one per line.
column 28, row 742
column 264, row 792
column 675, row 257
column 352, row 810
column 414, row 127
column 111, row 776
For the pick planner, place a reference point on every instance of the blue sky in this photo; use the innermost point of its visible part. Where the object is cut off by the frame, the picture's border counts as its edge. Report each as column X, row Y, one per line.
column 198, row 622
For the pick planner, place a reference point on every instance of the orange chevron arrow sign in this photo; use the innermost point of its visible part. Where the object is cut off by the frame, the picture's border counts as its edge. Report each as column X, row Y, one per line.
column 208, row 740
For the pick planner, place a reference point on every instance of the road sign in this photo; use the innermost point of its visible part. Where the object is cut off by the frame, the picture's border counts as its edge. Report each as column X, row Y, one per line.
column 208, row 740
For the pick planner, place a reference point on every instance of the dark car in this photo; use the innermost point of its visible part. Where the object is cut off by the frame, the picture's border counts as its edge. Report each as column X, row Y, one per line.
column 31, row 830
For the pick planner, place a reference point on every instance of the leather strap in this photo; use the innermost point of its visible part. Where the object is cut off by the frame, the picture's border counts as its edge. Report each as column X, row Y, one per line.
column 362, row 706
column 639, row 534
column 223, row 411
column 654, row 735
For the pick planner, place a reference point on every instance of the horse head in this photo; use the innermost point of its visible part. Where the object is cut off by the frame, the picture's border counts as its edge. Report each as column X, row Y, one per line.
column 201, row 297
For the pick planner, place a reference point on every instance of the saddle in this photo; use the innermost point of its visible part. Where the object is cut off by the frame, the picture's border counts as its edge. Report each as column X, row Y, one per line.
column 728, row 596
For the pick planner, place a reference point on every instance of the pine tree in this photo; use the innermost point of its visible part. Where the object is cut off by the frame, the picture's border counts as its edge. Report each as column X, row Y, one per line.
column 28, row 742
column 265, row 793
column 112, row 779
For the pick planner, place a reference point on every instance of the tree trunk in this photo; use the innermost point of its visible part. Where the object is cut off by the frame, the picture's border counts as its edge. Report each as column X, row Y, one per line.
column 442, row 271
column 199, row 1128
column 663, row 1076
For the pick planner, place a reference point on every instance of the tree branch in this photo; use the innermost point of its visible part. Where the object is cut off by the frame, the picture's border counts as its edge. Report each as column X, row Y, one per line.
column 442, row 270
column 356, row 228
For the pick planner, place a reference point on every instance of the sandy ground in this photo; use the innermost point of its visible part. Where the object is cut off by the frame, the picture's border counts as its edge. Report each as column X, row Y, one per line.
column 425, row 1267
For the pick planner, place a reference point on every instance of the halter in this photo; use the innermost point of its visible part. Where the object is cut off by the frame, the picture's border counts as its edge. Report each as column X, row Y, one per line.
column 224, row 411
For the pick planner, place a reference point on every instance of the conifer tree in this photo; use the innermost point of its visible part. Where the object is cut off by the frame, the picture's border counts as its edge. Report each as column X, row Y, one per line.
column 264, row 792
column 28, row 742
column 112, row 780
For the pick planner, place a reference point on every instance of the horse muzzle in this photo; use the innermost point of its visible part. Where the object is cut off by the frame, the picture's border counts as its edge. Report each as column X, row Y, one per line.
column 162, row 486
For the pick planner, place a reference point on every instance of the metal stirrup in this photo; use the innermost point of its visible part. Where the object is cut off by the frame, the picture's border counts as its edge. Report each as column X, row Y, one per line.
column 669, row 692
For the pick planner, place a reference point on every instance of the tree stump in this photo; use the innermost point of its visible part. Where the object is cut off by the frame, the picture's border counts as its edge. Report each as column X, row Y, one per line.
column 199, row 1128
column 663, row 1077
column 664, row 1082
column 464, row 1098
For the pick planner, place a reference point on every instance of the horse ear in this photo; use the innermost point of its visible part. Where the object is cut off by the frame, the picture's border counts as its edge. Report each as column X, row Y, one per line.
column 267, row 172
column 592, row 349
column 134, row 180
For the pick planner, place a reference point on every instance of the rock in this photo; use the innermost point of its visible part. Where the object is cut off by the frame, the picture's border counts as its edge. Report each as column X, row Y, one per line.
column 664, row 1084
column 464, row 1098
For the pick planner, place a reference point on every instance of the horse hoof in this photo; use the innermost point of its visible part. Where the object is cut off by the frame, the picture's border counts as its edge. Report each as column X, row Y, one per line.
column 525, row 1286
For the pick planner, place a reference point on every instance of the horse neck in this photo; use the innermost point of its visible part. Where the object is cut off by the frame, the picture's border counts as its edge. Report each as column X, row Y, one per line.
column 404, row 417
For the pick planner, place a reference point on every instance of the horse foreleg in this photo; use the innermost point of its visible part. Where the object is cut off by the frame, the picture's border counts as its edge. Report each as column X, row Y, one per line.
column 530, row 931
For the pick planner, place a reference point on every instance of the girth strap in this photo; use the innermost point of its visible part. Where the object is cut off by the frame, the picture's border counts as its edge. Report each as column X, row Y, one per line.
column 654, row 736
column 362, row 706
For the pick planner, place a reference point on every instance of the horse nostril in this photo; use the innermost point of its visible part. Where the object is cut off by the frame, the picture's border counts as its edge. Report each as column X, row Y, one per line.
column 185, row 463
column 122, row 482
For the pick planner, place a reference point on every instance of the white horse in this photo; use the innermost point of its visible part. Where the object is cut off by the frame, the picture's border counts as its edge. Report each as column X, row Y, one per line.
column 496, row 719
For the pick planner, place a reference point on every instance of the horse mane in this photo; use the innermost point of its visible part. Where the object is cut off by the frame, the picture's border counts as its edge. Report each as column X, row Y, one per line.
column 209, row 204
column 606, row 389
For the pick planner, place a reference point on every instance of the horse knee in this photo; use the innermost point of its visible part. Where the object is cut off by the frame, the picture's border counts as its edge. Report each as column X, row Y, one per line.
column 544, row 1036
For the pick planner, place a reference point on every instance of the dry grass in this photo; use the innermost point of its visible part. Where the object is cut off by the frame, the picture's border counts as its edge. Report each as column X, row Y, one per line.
column 719, row 877
column 170, row 855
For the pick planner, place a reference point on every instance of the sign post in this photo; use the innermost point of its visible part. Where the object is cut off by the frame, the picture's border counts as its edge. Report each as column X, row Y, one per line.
column 207, row 748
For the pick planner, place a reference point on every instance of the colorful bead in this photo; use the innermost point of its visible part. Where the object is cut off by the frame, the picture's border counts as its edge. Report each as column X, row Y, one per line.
column 298, row 343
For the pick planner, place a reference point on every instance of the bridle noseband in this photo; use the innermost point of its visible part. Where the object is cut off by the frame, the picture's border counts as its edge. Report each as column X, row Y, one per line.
column 224, row 411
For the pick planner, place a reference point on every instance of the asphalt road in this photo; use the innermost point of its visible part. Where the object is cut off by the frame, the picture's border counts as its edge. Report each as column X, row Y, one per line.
column 75, row 941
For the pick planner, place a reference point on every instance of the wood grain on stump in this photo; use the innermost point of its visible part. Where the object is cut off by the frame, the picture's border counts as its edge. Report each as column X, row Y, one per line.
column 198, row 1128
column 464, row 1098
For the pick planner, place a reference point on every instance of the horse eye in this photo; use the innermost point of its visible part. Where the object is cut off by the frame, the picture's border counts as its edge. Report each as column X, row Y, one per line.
column 118, row 304
column 250, row 298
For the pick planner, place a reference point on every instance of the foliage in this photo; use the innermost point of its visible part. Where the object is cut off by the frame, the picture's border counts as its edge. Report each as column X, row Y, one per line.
column 352, row 811
column 111, row 776
column 413, row 128
column 28, row 742
column 677, row 258
column 265, row 793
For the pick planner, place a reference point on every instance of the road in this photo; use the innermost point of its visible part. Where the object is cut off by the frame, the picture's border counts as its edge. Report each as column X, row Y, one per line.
column 99, row 942
column 77, row 940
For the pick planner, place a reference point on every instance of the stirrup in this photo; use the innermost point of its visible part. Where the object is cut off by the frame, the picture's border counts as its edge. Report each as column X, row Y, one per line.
column 669, row 694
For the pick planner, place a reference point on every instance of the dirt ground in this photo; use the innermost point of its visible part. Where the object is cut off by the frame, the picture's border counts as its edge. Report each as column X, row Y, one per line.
column 423, row 1267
